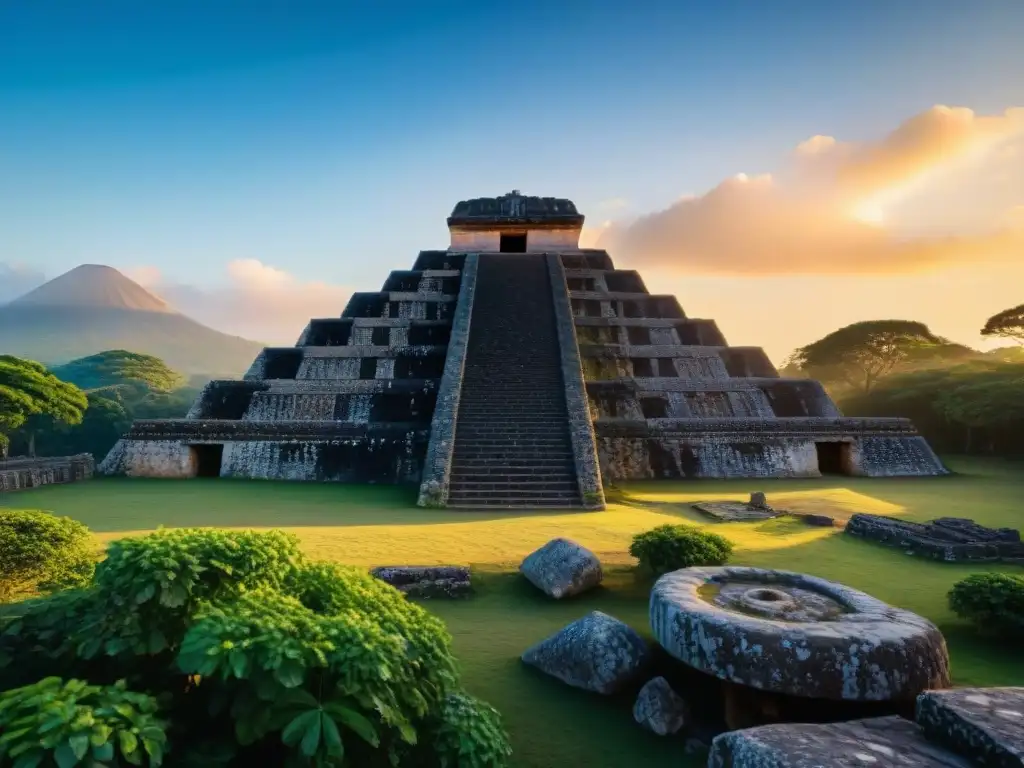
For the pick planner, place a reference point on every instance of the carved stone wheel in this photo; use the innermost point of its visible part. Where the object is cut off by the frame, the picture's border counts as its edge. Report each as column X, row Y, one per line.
column 794, row 634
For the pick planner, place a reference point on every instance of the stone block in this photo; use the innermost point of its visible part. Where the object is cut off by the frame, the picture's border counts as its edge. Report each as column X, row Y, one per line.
column 984, row 725
column 659, row 709
column 427, row 581
column 882, row 742
column 562, row 568
column 597, row 653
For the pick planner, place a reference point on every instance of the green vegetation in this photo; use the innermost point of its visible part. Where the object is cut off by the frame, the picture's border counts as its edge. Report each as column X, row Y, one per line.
column 1008, row 324
column 118, row 367
column 973, row 407
column 28, row 391
column 549, row 723
column 858, row 356
column 671, row 547
column 71, row 723
column 993, row 601
column 40, row 552
column 119, row 387
column 250, row 650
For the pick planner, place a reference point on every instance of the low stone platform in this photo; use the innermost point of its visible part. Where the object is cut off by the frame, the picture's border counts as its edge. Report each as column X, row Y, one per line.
column 951, row 539
column 955, row 729
column 19, row 474
column 877, row 742
column 983, row 724
column 427, row 581
column 735, row 511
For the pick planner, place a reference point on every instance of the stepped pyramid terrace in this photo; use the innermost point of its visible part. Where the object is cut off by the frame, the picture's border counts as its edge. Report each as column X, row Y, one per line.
column 515, row 369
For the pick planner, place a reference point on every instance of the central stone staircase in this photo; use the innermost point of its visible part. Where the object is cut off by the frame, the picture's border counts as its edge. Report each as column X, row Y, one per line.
column 512, row 444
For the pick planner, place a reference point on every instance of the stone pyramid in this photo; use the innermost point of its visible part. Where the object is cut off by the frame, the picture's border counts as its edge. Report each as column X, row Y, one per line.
column 516, row 369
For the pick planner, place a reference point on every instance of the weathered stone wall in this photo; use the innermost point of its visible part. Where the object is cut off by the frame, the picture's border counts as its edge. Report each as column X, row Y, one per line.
column 732, row 452
column 437, row 465
column 169, row 459
column 581, row 429
column 366, row 456
column 22, row 473
column 905, row 456
column 706, row 457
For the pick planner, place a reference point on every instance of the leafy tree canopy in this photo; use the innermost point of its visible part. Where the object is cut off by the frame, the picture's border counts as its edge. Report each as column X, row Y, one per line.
column 860, row 354
column 117, row 367
column 1008, row 324
column 28, row 389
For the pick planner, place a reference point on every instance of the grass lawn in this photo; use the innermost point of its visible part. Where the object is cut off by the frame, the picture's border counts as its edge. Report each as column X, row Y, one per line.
column 551, row 724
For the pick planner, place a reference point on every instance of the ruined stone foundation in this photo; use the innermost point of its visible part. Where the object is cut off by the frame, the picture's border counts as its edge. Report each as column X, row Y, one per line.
column 576, row 375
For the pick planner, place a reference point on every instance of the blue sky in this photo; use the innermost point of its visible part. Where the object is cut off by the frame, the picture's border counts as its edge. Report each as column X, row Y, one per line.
column 331, row 139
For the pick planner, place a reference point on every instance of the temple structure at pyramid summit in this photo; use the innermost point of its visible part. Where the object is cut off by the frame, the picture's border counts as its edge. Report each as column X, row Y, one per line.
column 516, row 369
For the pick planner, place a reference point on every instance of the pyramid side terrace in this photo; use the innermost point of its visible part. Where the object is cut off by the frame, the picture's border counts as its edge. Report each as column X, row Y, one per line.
column 642, row 390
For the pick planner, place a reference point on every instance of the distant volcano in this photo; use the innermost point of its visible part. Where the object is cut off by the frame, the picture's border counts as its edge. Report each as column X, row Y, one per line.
column 93, row 285
column 94, row 308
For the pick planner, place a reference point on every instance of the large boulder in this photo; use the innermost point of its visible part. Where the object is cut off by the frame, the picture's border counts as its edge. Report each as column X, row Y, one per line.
column 795, row 634
column 562, row 568
column 985, row 725
column 881, row 742
column 596, row 653
column 660, row 709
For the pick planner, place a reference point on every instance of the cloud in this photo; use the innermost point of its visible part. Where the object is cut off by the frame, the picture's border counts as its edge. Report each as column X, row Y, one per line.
column 17, row 279
column 939, row 190
column 252, row 299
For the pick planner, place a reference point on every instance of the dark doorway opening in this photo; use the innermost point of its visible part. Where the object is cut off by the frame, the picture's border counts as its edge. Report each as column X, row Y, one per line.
column 833, row 458
column 513, row 243
column 208, row 459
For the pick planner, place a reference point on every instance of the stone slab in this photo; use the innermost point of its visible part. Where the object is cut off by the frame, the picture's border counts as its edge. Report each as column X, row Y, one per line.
column 427, row 580
column 985, row 725
column 951, row 540
column 882, row 742
column 734, row 511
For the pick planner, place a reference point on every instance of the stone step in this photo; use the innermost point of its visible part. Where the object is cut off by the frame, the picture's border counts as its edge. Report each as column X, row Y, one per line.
column 512, row 442
column 472, row 486
column 509, row 496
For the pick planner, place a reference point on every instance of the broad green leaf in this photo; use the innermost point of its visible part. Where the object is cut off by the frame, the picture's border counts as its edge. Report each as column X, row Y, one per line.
column 296, row 729
column 103, row 752
column 65, row 756
column 290, row 674
column 311, row 738
column 332, row 739
column 155, row 750
column 79, row 744
column 128, row 741
column 30, row 759
column 357, row 722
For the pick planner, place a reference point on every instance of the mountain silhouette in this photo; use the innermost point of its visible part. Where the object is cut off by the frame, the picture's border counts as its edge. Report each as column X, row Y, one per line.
column 94, row 308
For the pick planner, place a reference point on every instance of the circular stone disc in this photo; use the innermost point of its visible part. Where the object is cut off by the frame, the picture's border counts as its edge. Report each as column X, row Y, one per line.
column 795, row 634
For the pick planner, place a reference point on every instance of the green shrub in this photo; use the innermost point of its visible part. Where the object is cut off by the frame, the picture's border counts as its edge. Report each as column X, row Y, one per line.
column 71, row 723
column 993, row 601
column 257, row 656
column 470, row 735
column 42, row 552
column 671, row 547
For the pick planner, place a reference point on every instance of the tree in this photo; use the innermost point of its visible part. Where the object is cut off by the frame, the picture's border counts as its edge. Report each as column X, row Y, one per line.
column 28, row 389
column 1009, row 324
column 859, row 355
column 118, row 367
